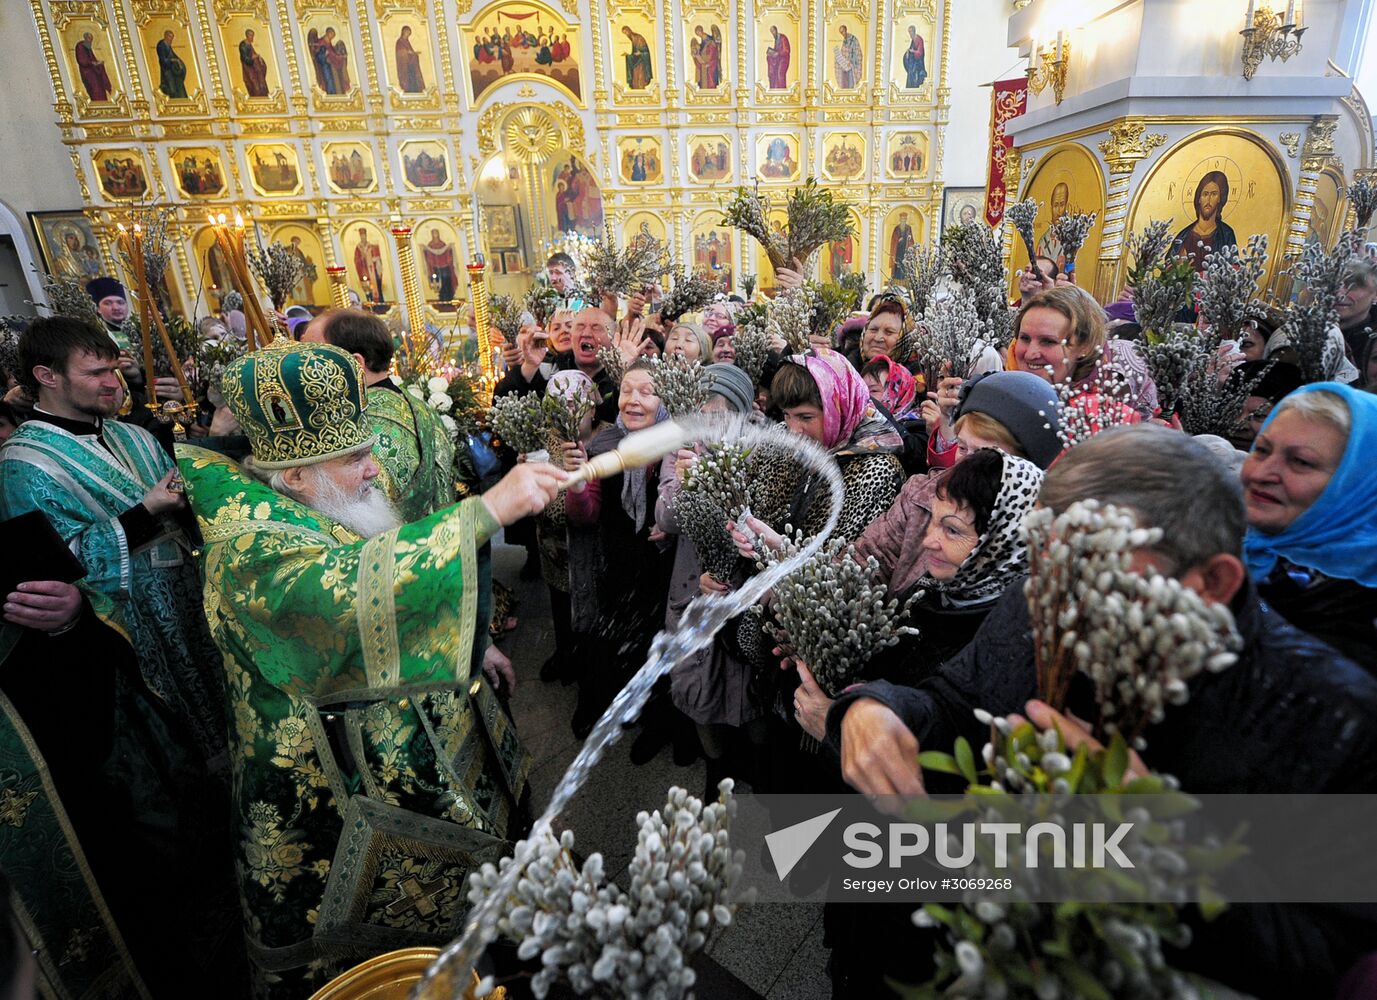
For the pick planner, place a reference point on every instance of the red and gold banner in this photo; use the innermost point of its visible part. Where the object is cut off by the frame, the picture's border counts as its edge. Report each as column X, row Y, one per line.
column 1008, row 100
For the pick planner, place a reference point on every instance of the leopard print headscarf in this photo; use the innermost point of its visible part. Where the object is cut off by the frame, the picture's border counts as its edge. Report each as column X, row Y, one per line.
column 1000, row 557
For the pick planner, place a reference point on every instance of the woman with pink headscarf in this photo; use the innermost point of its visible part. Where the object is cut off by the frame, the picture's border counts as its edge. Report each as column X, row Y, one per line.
column 895, row 390
column 824, row 398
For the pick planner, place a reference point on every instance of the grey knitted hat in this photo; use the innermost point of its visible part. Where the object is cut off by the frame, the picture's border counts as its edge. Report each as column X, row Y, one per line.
column 732, row 384
column 1025, row 404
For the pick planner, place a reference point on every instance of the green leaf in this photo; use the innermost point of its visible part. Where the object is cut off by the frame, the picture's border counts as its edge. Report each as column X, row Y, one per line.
column 1078, row 765
column 940, row 913
column 1115, row 762
column 1207, row 860
column 965, row 760
column 1211, row 904
column 926, row 810
column 936, row 760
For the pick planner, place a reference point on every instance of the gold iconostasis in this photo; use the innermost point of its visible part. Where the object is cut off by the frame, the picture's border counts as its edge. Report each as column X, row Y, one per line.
column 503, row 129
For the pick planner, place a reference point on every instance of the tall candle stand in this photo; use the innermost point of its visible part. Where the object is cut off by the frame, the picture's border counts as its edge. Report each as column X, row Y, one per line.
column 482, row 320
column 339, row 286
column 417, row 343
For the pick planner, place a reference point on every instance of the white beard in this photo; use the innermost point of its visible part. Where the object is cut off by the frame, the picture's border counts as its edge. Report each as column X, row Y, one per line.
column 366, row 515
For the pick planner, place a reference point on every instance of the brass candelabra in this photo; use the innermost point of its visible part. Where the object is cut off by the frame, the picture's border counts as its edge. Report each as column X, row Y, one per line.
column 482, row 320
column 1049, row 67
column 1267, row 33
column 417, row 343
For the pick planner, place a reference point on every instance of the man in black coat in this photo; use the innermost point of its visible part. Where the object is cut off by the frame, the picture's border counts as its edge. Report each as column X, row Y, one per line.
column 592, row 331
column 1290, row 716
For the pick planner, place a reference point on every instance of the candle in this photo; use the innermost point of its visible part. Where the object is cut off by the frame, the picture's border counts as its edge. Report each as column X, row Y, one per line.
column 1252, row 9
column 1291, row 12
column 1300, row 12
column 1061, row 35
column 132, row 248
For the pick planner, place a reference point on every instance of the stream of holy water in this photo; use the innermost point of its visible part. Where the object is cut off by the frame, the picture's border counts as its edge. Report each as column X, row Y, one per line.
column 449, row 977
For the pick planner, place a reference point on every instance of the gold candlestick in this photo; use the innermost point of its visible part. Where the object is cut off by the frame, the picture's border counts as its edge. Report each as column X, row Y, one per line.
column 339, row 286
column 417, row 342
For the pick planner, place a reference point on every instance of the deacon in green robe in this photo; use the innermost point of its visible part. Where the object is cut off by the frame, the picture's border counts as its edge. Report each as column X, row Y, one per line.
column 413, row 449
column 373, row 767
column 110, row 722
column 104, row 486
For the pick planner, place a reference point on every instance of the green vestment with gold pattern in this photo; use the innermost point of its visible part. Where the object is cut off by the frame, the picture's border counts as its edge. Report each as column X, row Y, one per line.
column 373, row 769
column 414, row 452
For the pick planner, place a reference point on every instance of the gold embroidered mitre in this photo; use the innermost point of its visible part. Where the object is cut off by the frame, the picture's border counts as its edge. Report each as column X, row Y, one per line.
column 298, row 403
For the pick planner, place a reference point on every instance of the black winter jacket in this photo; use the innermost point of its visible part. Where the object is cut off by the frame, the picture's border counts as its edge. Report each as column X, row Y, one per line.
column 1291, row 716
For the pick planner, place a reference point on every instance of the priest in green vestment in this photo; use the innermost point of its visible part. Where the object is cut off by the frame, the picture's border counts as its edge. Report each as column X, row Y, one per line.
column 413, row 450
column 374, row 768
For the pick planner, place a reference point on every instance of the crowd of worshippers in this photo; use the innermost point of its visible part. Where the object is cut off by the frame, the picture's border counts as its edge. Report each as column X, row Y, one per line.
column 223, row 665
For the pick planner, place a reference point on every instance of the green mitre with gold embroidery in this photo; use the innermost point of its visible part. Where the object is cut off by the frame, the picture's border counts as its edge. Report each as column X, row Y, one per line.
column 299, row 404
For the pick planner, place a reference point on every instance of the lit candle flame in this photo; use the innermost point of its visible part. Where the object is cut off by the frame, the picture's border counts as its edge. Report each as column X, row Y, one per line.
column 238, row 221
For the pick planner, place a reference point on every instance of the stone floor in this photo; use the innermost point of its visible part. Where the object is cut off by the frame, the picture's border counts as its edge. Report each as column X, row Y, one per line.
column 774, row 950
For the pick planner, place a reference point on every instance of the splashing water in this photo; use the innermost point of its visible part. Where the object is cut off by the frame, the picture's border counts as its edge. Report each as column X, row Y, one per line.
column 450, row 975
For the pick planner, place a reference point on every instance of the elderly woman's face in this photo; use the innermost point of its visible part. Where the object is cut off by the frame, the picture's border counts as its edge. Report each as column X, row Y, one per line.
column 881, row 335
column 1289, row 467
column 723, row 351
column 638, row 403
column 949, row 540
column 684, row 342
column 715, row 317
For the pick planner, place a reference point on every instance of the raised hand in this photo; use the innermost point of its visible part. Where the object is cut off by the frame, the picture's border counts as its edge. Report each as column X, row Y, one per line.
column 523, row 491
column 790, row 277
column 629, row 339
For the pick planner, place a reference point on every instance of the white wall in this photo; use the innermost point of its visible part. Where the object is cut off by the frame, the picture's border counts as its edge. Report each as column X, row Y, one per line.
column 978, row 56
column 38, row 170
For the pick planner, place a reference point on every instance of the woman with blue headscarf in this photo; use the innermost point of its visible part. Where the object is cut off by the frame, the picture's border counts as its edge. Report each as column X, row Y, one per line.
column 1310, row 492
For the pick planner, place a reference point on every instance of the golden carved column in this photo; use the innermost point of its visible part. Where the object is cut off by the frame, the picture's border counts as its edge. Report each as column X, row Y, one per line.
column 139, row 106
column 1319, row 147
column 418, row 343
column 298, row 100
column 1012, row 177
column 219, row 97
column 1128, row 142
